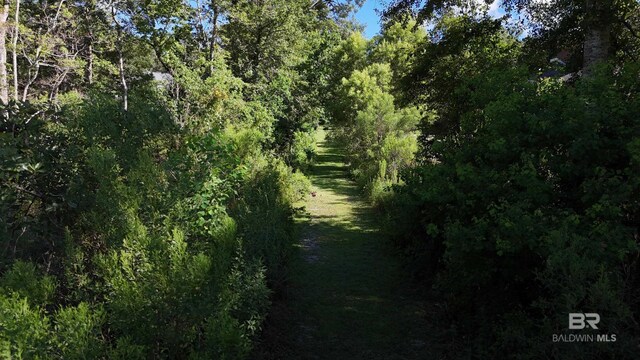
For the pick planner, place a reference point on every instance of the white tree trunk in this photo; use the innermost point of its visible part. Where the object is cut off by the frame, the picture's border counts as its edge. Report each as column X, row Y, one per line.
column 15, row 51
column 123, row 79
column 32, row 75
column 4, row 84
column 89, row 69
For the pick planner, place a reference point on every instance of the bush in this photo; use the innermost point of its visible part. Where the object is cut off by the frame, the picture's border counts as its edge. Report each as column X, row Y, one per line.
column 24, row 331
column 303, row 150
column 146, row 247
column 78, row 332
column 535, row 202
column 24, row 280
column 264, row 212
column 28, row 331
column 379, row 138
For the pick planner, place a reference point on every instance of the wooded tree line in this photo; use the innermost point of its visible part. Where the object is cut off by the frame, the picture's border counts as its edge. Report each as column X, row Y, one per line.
column 149, row 162
column 151, row 153
column 510, row 182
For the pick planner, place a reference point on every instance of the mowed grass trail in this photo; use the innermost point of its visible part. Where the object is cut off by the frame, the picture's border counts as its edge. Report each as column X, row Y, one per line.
column 349, row 298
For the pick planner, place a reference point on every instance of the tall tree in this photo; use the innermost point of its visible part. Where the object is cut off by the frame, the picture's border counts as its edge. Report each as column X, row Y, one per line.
column 50, row 46
column 4, row 85
column 596, row 18
column 119, row 49
column 264, row 36
column 14, row 50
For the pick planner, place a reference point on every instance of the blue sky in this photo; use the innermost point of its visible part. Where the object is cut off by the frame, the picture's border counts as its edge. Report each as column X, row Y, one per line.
column 368, row 17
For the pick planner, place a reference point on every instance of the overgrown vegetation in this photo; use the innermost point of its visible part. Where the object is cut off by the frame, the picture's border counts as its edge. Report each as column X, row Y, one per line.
column 379, row 136
column 151, row 153
column 149, row 163
column 518, row 202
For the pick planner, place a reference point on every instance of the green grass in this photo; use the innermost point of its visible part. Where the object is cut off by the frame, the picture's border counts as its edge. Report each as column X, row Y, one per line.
column 348, row 297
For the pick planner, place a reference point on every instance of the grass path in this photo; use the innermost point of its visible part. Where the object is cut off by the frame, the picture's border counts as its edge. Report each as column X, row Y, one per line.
column 348, row 297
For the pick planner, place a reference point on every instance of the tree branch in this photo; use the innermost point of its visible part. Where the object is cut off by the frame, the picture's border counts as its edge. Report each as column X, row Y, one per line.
column 631, row 29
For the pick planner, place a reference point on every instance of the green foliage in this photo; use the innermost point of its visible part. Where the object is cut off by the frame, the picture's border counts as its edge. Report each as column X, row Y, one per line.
column 379, row 138
column 532, row 200
column 24, row 332
column 303, row 150
column 165, row 225
column 139, row 211
column 446, row 77
column 265, row 36
column 268, row 234
column 397, row 46
column 349, row 55
column 28, row 331
column 24, row 280
column 77, row 331
column 162, row 228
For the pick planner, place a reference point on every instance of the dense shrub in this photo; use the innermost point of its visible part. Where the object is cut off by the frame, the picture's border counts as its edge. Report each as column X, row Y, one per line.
column 146, row 255
column 379, row 138
column 535, row 200
column 264, row 213
column 71, row 332
column 303, row 150
column 147, row 181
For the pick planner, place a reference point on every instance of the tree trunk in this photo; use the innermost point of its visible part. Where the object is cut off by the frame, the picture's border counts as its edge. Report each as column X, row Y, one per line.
column 89, row 10
column 123, row 79
column 597, row 33
column 596, row 46
column 56, row 85
column 32, row 76
column 15, row 51
column 89, row 68
column 4, row 84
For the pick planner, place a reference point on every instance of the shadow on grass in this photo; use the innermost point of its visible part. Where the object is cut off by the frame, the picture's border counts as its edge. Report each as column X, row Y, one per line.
column 348, row 297
column 331, row 173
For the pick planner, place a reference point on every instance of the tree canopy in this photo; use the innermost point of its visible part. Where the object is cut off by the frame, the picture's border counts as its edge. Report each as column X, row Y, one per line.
column 153, row 158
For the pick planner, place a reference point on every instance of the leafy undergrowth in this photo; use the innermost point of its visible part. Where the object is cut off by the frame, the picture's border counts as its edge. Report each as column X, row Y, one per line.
column 347, row 297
